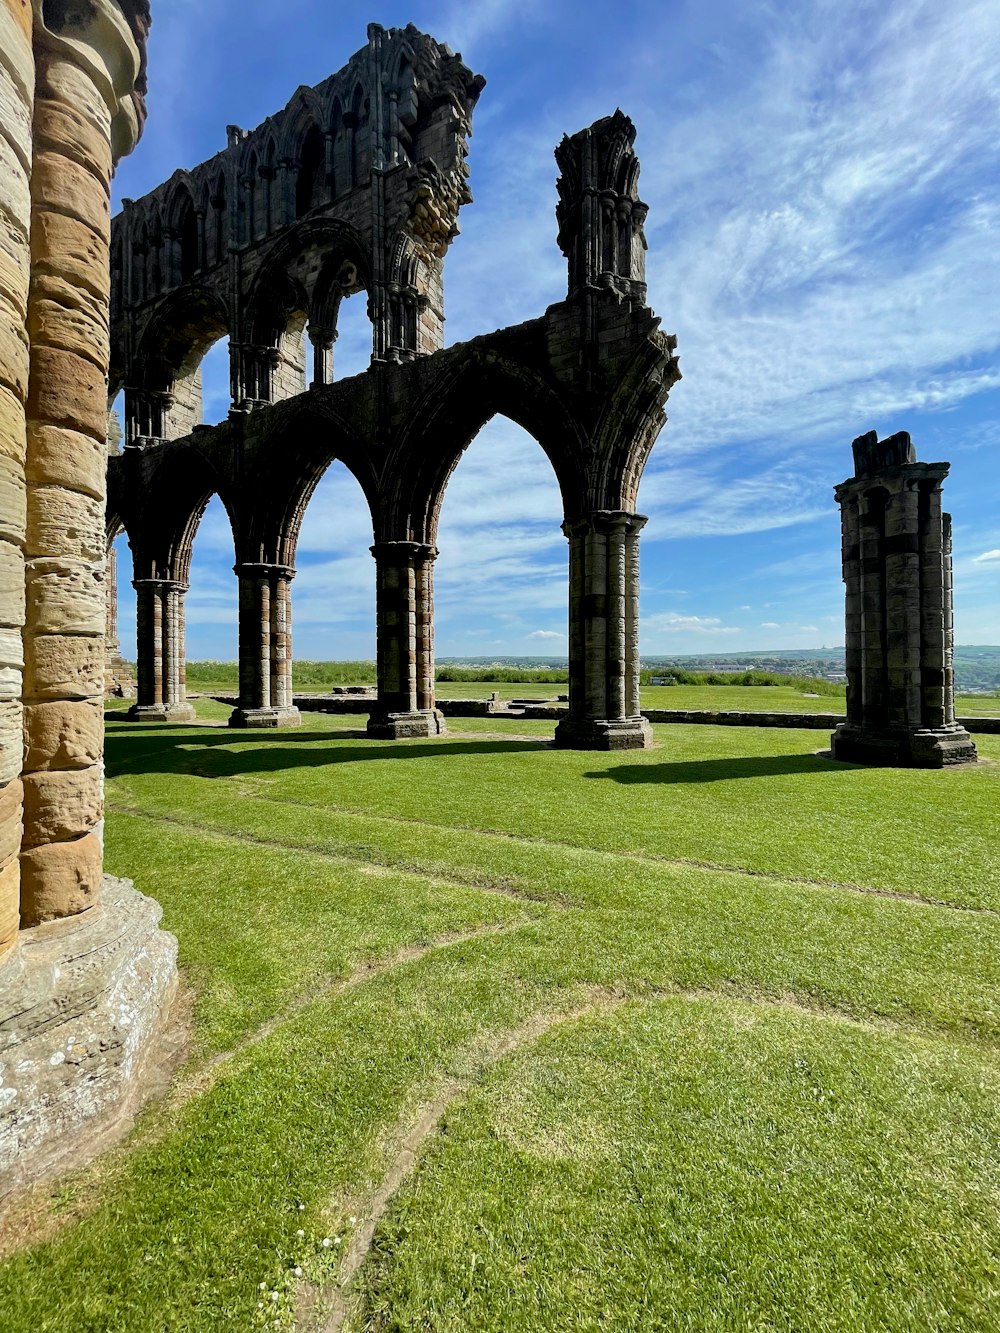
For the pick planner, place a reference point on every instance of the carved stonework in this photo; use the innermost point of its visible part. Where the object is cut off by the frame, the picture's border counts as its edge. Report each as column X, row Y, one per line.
column 899, row 621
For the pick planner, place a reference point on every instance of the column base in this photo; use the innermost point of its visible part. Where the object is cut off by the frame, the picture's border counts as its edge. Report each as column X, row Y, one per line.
column 265, row 717
column 601, row 733
column 899, row 748
column 181, row 712
column 403, row 726
column 85, row 1036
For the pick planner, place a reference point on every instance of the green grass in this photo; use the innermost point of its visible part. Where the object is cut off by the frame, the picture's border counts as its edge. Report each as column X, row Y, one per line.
column 714, row 1030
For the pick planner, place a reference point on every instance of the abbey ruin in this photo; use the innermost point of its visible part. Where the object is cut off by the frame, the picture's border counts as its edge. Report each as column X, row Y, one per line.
column 356, row 186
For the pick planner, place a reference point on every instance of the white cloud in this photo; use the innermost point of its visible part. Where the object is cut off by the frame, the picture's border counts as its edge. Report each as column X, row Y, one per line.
column 770, row 624
column 670, row 621
column 546, row 634
column 987, row 558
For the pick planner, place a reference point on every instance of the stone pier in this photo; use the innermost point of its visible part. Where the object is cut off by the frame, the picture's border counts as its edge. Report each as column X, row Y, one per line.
column 87, row 978
column 899, row 623
column 404, row 594
column 265, row 647
column 603, row 711
column 161, row 693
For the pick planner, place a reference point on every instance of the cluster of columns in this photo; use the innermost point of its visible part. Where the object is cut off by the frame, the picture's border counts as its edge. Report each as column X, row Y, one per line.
column 160, row 669
column 603, row 712
column 66, row 78
column 265, row 647
column 897, row 563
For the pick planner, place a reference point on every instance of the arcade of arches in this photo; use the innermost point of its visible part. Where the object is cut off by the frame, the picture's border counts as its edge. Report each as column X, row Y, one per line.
column 355, row 187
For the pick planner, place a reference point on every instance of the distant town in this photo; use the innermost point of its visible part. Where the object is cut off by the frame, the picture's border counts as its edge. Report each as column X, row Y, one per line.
column 977, row 668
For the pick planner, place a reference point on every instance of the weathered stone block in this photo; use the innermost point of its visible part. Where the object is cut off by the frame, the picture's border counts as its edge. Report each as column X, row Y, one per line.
column 82, row 253
column 10, row 901
column 66, row 523
column 11, row 740
column 12, row 436
column 13, row 500
column 14, row 358
column 11, row 585
column 64, row 734
column 71, row 319
column 60, row 879
column 67, row 596
column 65, row 128
column 62, row 804
column 90, row 1040
column 64, row 186
column 11, row 802
column 68, row 390
column 63, row 666
column 63, row 82
column 67, row 458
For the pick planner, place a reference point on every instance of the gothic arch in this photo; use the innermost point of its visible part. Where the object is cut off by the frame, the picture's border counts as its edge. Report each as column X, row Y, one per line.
column 287, row 470
column 451, row 414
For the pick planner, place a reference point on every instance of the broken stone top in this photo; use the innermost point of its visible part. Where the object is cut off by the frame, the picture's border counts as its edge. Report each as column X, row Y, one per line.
column 387, row 96
column 872, row 455
column 600, row 214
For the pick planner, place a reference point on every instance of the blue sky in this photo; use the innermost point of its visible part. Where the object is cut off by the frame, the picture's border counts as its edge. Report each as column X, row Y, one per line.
column 823, row 182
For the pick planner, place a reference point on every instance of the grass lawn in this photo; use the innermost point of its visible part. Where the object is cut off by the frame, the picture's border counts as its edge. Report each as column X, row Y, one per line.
column 705, row 1037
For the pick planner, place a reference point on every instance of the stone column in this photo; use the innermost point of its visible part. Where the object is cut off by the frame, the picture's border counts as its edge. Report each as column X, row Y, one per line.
column 73, row 132
column 404, row 642
column 322, row 343
column 161, row 693
column 897, row 572
column 265, row 647
column 17, row 83
column 603, row 711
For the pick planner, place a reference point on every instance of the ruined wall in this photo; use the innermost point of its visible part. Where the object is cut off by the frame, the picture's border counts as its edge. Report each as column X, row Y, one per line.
column 355, row 186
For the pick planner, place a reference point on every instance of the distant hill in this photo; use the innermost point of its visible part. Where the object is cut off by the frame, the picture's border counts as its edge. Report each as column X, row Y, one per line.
column 977, row 667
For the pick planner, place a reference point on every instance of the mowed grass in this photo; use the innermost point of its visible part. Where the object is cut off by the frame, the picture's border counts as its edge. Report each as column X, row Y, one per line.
column 710, row 1033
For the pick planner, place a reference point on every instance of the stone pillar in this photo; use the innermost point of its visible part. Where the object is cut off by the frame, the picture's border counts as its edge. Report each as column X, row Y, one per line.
column 17, row 82
column 405, row 642
column 61, row 862
column 322, row 343
column 603, row 711
column 899, row 636
column 161, row 687
column 265, row 647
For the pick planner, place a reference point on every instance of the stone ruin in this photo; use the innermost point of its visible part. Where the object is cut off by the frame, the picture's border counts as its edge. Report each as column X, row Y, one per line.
column 899, row 626
column 356, row 187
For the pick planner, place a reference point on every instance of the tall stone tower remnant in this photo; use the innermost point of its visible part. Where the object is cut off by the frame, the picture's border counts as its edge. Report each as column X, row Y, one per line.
column 899, row 623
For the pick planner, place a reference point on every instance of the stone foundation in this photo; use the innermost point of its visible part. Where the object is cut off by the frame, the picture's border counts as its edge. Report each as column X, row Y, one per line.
column 901, row 748
column 576, row 733
column 83, row 1009
column 176, row 712
column 266, row 717
column 405, row 726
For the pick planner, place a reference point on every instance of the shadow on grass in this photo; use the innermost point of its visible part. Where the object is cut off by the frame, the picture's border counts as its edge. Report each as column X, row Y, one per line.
column 207, row 753
column 721, row 770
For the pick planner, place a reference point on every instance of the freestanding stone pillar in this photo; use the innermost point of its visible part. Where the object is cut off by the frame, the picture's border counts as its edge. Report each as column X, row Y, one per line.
column 404, row 595
column 265, row 647
column 161, row 695
column 603, row 709
column 899, row 632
